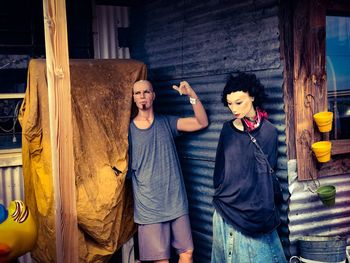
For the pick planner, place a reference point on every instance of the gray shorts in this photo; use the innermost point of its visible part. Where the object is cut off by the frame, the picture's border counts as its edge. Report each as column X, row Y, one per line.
column 155, row 240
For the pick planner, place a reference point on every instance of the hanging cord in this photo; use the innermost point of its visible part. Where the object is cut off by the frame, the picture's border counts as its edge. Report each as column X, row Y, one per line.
column 14, row 121
column 16, row 111
column 315, row 183
column 8, row 64
column 21, row 59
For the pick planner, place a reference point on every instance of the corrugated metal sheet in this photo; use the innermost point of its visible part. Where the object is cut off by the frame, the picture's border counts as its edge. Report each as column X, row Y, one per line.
column 11, row 177
column 11, row 182
column 189, row 38
column 12, row 188
column 107, row 20
column 308, row 216
column 201, row 41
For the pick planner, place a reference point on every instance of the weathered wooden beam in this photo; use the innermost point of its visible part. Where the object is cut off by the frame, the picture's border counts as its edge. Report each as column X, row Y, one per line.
column 310, row 87
column 60, row 113
column 286, row 31
column 302, row 83
column 310, row 94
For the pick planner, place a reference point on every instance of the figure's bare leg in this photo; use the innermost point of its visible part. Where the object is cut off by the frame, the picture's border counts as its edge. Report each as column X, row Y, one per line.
column 186, row 257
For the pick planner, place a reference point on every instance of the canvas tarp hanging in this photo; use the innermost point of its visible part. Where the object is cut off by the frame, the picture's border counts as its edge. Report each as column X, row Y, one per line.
column 101, row 93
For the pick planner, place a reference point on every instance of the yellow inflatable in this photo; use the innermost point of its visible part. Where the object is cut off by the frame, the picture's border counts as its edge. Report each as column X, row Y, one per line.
column 18, row 232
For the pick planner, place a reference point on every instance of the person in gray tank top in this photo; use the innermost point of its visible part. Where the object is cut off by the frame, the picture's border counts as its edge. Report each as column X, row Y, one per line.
column 160, row 201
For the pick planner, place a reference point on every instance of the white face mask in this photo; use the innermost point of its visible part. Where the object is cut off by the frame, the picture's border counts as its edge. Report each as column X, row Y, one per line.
column 241, row 104
column 143, row 95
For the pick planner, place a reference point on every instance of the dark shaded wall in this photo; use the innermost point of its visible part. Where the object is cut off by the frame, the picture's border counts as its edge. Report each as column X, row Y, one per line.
column 22, row 38
column 201, row 42
column 22, row 28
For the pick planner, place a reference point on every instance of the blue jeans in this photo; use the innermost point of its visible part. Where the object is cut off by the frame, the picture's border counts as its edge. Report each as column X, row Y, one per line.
column 231, row 246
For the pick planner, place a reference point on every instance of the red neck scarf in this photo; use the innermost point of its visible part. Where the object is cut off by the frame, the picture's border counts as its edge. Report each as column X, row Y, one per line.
column 252, row 124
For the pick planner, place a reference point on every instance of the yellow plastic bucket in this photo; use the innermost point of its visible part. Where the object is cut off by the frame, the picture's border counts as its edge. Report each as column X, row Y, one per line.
column 324, row 120
column 322, row 151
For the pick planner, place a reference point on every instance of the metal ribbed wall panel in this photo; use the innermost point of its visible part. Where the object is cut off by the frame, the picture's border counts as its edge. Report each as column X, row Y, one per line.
column 201, row 41
column 189, row 38
column 107, row 20
column 308, row 216
column 11, row 182
column 12, row 188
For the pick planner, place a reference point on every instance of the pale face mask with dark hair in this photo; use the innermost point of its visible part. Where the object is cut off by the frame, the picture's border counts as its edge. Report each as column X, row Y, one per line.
column 241, row 104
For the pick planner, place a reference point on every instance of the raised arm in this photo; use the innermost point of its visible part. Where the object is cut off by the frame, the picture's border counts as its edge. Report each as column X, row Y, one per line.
column 200, row 119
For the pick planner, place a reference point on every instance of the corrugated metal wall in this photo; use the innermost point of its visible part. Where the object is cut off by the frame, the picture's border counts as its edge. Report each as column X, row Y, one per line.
column 191, row 38
column 308, row 216
column 107, row 20
column 11, row 183
column 201, row 41
column 12, row 188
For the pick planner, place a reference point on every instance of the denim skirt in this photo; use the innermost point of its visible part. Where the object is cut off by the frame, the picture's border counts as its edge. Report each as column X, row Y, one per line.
column 231, row 246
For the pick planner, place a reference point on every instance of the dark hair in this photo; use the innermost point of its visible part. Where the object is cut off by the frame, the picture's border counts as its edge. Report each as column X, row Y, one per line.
column 247, row 83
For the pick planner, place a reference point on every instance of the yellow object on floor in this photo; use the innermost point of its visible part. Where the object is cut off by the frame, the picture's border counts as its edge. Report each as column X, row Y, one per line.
column 18, row 231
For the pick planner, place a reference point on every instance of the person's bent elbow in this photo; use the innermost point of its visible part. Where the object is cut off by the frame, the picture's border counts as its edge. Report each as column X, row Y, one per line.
column 203, row 124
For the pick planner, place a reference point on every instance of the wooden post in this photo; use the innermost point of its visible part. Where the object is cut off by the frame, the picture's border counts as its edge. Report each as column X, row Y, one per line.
column 286, row 29
column 60, row 112
column 310, row 94
column 302, row 83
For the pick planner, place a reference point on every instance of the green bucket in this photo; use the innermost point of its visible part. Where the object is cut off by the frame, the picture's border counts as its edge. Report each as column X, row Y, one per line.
column 327, row 194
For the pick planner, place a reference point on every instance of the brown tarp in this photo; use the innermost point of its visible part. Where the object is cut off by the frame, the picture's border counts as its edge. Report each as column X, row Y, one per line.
column 101, row 107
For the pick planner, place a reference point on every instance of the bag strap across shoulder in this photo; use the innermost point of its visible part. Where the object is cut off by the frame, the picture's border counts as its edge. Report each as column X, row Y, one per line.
column 252, row 138
column 278, row 196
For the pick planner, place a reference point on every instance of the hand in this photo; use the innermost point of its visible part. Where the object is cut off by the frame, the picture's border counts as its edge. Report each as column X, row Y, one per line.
column 184, row 88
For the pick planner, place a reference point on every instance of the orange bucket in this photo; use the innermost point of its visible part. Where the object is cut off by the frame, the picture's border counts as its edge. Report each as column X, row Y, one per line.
column 324, row 120
column 322, row 151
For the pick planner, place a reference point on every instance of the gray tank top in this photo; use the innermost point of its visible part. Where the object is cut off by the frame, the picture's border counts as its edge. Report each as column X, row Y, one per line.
column 158, row 186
